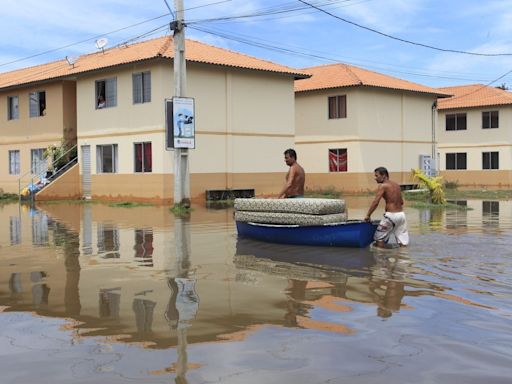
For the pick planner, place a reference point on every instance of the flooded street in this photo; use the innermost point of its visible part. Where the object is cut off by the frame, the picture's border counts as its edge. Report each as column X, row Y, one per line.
column 96, row 294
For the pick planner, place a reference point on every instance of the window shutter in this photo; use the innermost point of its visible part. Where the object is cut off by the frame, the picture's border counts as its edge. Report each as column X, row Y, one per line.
column 147, row 86
column 34, row 104
column 137, row 88
column 111, row 92
column 342, row 106
column 332, row 107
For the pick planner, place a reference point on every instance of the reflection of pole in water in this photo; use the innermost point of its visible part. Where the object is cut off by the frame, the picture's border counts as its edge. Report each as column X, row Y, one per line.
column 183, row 302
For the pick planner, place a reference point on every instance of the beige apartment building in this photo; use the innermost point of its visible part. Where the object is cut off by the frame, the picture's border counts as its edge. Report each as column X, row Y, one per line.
column 351, row 120
column 33, row 115
column 474, row 136
column 244, row 120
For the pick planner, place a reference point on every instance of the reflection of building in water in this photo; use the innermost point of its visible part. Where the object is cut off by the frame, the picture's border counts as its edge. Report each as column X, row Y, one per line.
column 87, row 230
column 491, row 213
column 143, row 310
column 108, row 241
column 144, row 247
column 40, row 290
column 457, row 218
column 110, row 301
column 39, row 227
column 15, row 229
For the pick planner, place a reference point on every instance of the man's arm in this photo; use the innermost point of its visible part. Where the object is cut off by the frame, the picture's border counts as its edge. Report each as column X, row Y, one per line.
column 289, row 182
column 375, row 202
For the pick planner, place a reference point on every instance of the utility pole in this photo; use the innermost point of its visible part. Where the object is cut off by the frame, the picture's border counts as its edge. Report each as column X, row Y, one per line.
column 181, row 169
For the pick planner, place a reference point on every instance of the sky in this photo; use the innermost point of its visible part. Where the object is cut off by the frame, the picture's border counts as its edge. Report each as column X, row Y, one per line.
column 288, row 32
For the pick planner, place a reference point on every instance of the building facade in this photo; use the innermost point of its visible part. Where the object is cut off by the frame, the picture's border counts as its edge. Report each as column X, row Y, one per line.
column 474, row 136
column 244, row 120
column 350, row 120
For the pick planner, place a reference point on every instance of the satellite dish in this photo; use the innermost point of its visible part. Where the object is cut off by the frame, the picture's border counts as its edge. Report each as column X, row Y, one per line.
column 71, row 60
column 101, row 43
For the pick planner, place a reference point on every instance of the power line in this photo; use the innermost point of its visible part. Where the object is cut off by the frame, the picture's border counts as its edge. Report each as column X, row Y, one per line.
column 290, row 7
column 403, row 40
column 82, row 41
column 311, row 54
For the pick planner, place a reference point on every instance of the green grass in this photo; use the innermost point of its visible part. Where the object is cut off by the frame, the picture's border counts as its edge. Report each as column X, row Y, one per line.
column 427, row 205
column 130, row 204
column 325, row 193
column 8, row 196
column 180, row 210
column 502, row 194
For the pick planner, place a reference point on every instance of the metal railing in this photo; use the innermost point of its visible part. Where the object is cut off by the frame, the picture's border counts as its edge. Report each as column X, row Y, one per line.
column 37, row 181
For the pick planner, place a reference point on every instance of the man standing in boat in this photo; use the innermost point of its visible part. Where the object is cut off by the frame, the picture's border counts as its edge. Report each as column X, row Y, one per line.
column 394, row 221
column 295, row 178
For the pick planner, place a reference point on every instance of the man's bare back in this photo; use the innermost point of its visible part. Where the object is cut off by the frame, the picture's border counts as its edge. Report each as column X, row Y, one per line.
column 392, row 196
column 295, row 178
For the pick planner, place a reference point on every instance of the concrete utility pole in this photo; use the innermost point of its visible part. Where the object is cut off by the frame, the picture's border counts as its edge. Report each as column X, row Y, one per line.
column 181, row 170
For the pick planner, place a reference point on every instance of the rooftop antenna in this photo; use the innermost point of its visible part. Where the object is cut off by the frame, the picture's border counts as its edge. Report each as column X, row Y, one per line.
column 101, row 43
column 71, row 60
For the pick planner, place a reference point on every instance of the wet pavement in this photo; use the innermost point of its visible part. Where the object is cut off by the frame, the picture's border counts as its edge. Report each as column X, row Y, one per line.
column 96, row 294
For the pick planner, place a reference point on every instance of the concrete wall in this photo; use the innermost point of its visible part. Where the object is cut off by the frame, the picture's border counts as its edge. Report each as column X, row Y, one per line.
column 383, row 128
column 28, row 133
column 244, row 122
column 474, row 141
column 66, row 187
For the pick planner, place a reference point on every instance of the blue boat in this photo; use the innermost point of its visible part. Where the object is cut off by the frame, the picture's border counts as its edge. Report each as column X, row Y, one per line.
column 351, row 233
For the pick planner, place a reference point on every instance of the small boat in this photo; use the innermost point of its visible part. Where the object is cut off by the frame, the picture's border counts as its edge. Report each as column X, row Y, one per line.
column 350, row 233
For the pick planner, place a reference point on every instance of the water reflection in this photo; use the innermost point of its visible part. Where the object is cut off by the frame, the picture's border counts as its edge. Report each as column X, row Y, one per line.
column 166, row 282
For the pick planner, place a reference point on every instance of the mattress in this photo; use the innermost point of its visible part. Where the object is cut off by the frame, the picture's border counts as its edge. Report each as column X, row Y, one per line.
column 301, row 206
column 289, row 218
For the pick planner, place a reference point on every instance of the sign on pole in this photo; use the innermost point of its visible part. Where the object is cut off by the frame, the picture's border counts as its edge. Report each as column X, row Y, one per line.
column 183, row 122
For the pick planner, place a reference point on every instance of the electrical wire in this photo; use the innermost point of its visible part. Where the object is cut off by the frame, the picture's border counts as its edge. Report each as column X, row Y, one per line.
column 400, row 39
column 82, row 41
column 320, row 56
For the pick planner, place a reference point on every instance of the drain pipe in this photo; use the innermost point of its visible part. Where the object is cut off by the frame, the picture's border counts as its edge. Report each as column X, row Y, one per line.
column 434, row 149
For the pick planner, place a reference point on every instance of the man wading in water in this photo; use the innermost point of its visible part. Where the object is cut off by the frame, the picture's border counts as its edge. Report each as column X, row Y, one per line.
column 294, row 187
column 394, row 218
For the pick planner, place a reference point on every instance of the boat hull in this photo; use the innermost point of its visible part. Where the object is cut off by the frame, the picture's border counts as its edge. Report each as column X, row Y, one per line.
column 355, row 234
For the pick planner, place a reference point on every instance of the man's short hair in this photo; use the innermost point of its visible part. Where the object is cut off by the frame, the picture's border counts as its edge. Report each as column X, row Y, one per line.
column 382, row 171
column 291, row 152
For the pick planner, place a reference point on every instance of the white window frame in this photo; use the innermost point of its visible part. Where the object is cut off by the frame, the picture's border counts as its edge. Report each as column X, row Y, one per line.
column 107, row 89
column 37, row 103
column 38, row 164
column 13, row 108
column 141, row 83
column 100, row 160
column 14, row 162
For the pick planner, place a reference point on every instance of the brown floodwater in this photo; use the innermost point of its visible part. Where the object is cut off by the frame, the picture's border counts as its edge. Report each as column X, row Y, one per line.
column 96, row 294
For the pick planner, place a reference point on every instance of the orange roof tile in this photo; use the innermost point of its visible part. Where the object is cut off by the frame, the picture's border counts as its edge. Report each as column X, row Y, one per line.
column 472, row 96
column 195, row 51
column 343, row 75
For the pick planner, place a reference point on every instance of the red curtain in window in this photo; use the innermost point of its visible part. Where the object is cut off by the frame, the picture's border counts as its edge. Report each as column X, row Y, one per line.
column 148, row 163
column 337, row 161
column 138, row 157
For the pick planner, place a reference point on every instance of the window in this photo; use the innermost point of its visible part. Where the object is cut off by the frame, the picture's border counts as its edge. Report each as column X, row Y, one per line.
column 490, row 119
column 141, row 87
column 490, row 160
column 37, row 103
column 456, row 122
column 13, row 112
column 106, row 158
column 337, row 107
column 456, row 160
column 491, row 207
column 143, row 157
column 14, row 162
column 38, row 165
column 338, row 160
column 106, row 93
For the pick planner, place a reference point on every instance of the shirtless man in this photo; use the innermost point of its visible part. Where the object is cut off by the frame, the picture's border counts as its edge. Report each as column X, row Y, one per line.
column 394, row 218
column 295, row 177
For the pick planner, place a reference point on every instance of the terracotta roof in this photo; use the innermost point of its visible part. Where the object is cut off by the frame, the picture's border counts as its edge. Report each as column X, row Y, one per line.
column 472, row 96
column 343, row 75
column 160, row 47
